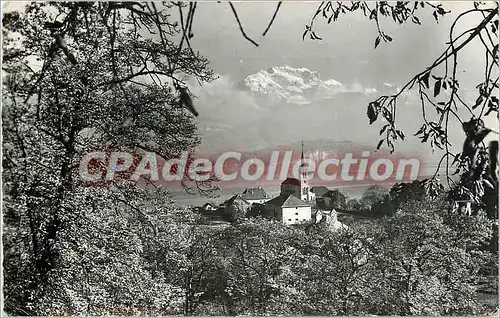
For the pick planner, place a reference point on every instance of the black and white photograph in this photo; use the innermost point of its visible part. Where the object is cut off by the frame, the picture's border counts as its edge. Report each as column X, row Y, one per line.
column 250, row 158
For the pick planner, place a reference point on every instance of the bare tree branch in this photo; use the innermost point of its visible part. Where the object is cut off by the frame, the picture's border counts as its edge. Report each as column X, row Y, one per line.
column 241, row 27
column 272, row 19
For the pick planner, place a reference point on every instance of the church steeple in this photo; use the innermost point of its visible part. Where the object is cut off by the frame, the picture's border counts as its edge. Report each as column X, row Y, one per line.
column 302, row 156
column 304, row 182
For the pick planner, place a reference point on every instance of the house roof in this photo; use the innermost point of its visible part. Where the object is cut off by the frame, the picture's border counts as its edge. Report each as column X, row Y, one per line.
column 320, row 190
column 235, row 197
column 291, row 181
column 254, row 194
column 287, row 200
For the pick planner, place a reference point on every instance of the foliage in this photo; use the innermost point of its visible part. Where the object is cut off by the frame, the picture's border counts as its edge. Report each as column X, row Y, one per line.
column 235, row 209
column 256, row 265
column 89, row 94
column 435, row 265
column 259, row 210
column 372, row 195
column 384, row 207
column 353, row 205
column 336, row 200
column 235, row 212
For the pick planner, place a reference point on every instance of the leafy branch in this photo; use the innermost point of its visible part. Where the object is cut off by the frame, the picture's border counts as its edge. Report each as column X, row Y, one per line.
column 431, row 85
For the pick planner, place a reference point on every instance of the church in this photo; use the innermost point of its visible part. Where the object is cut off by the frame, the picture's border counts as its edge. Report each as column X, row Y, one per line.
column 293, row 205
column 300, row 188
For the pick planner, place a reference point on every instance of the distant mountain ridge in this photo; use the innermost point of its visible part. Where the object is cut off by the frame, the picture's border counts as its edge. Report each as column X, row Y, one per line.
column 297, row 85
column 316, row 148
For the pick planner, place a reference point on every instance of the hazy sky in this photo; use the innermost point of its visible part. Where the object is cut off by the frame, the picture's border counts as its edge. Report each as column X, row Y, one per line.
column 346, row 52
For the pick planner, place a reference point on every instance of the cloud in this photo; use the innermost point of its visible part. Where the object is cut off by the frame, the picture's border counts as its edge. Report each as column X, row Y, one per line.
column 357, row 87
column 223, row 99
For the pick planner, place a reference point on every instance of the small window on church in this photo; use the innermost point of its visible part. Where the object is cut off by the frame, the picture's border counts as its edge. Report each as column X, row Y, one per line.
column 296, row 213
column 289, row 220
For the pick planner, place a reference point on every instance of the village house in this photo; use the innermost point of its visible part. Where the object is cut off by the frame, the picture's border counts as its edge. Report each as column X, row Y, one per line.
column 293, row 205
column 255, row 195
column 289, row 209
column 209, row 207
column 236, row 201
column 211, row 212
column 326, row 219
column 330, row 218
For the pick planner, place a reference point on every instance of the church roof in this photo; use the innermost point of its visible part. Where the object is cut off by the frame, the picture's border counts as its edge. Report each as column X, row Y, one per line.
column 320, row 190
column 291, row 181
column 254, row 194
column 287, row 200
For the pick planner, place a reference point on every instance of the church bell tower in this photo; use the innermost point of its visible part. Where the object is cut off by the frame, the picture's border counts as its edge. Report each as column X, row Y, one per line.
column 304, row 178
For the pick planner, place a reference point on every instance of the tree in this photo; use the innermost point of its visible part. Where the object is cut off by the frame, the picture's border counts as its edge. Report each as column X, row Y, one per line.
column 113, row 56
column 384, row 207
column 257, row 256
column 415, row 191
column 432, row 265
column 259, row 210
column 235, row 209
column 103, row 84
column 336, row 271
column 195, row 268
column 335, row 199
column 372, row 195
column 353, row 205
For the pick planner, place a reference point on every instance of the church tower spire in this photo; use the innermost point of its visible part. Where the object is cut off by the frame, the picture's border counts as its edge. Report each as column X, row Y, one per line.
column 304, row 180
column 302, row 156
